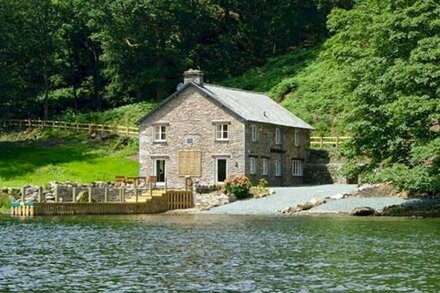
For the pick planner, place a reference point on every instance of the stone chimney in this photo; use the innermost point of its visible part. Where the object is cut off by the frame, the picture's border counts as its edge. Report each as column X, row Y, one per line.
column 193, row 75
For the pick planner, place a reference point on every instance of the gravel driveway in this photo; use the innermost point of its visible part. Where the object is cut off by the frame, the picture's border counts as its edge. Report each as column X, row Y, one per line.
column 284, row 197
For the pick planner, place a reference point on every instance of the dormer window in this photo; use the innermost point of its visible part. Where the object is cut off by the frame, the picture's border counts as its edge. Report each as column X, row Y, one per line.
column 297, row 137
column 160, row 133
column 254, row 131
column 277, row 136
column 221, row 132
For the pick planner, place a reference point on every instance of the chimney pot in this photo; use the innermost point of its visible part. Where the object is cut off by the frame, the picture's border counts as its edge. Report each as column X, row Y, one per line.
column 193, row 75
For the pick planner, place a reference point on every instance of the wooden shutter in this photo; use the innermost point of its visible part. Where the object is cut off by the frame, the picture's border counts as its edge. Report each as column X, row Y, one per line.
column 189, row 163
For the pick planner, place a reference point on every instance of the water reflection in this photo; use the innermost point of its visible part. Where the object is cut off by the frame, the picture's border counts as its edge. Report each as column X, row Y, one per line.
column 220, row 253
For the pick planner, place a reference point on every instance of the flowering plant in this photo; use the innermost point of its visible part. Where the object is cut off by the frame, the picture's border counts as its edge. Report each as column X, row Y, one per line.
column 238, row 186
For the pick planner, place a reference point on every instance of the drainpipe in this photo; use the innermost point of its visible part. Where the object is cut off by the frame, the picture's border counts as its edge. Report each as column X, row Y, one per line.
column 282, row 157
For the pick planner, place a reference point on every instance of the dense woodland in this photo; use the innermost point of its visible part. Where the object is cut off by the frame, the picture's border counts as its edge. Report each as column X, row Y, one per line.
column 90, row 55
column 365, row 68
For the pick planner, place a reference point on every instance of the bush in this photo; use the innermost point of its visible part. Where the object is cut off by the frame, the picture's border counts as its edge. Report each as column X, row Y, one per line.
column 238, row 186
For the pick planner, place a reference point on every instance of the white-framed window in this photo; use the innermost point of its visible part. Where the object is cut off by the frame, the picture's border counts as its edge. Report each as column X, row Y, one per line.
column 221, row 132
column 277, row 136
column 253, row 166
column 297, row 137
column 254, row 130
column 265, row 167
column 297, row 168
column 160, row 133
column 277, row 168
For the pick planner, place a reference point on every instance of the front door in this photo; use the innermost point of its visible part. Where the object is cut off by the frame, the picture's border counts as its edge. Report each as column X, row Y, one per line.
column 221, row 170
column 159, row 170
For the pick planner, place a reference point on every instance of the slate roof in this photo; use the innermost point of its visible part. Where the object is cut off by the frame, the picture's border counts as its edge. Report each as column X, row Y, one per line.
column 250, row 106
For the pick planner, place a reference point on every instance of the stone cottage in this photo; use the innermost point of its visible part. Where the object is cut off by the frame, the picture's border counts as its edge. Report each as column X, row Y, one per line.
column 211, row 132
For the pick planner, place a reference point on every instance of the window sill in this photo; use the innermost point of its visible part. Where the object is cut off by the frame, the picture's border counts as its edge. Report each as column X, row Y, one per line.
column 221, row 140
column 297, row 175
column 160, row 141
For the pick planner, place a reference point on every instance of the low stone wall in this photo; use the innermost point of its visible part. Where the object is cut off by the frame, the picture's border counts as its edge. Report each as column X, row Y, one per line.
column 324, row 174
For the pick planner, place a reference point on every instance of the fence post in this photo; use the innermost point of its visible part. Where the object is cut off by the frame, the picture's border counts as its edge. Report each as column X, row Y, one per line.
column 77, row 127
column 151, row 188
column 53, row 124
column 128, row 130
column 29, row 123
column 166, row 185
column 40, row 194
column 136, row 194
column 55, row 193
column 337, row 142
column 90, row 194
column 105, row 194
column 122, row 194
column 74, row 194
column 90, row 128
column 321, row 142
column 22, row 194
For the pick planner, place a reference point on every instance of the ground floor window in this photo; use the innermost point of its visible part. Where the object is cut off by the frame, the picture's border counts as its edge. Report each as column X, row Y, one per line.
column 297, row 168
column 253, row 166
column 277, row 168
column 265, row 167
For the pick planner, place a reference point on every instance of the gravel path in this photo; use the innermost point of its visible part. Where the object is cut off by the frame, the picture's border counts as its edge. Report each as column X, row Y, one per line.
column 347, row 204
column 284, row 197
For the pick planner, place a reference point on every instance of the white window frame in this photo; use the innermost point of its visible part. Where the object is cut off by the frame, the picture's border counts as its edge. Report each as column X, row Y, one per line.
column 221, row 132
column 160, row 133
column 265, row 167
column 278, row 168
column 253, row 166
column 254, row 131
column 277, row 135
column 297, row 168
column 297, row 137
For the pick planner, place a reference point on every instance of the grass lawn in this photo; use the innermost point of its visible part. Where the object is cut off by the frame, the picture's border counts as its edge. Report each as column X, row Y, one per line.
column 40, row 157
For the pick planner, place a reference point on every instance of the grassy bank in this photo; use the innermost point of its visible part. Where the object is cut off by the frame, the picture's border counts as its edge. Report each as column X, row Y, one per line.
column 36, row 157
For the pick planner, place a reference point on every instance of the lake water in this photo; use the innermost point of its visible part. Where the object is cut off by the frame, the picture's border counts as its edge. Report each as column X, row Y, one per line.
column 206, row 253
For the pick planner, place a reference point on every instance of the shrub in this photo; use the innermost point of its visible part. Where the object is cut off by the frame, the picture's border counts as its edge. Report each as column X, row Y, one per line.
column 238, row 186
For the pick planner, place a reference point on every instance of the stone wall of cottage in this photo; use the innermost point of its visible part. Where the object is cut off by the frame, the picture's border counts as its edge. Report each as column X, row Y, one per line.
column 266, row 148
column 191, row 114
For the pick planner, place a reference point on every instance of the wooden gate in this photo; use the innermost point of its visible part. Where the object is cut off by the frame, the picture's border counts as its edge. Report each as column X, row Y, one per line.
column 180, row 199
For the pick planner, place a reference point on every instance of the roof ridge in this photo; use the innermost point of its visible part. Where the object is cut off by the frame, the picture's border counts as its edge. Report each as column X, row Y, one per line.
column 236, row 89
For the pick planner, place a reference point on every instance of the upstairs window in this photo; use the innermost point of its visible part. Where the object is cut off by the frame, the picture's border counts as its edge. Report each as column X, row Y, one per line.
column 221, row 132
column 254, row 131
column 277, row 168
column 297, row 137
column 265, row 169
column 253, row 166
column 277, row 136
column 297, row 168
column 160, row 133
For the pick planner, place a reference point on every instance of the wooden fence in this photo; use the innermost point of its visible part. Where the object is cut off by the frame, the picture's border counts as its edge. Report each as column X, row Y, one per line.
column 315, row 141
column 328, row 141
column 73, row 126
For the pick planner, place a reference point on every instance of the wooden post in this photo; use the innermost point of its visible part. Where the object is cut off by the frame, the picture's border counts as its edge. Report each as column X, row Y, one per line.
column 73, row 194
column 136, row 194
column 321, row 142
column 122, row 194
column 40, row 194
column 53, row 124
column 19, row 124
column 127, row 130
column 105, row 194
column 22, row 194
column 337, row 142
column 77, row 127
column 151, row 188
column 29, row 123
column 90, row 194
column 166, row 185
column 90, row 128
column 56, row 193
column 65, row 125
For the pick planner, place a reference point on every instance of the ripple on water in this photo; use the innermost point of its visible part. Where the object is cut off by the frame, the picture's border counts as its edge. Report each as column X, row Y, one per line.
column 219, row 253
